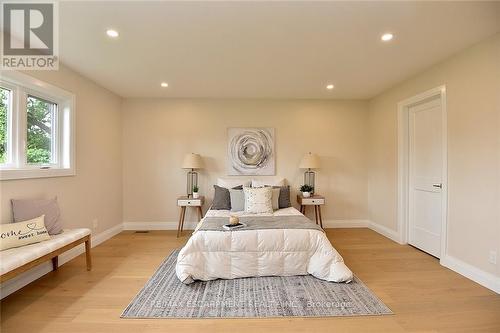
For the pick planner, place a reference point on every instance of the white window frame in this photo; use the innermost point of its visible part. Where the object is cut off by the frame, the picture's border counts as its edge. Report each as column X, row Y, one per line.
column 22, row 85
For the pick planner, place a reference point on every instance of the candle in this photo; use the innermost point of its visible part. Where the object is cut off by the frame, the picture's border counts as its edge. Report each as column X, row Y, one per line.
column 234, row 220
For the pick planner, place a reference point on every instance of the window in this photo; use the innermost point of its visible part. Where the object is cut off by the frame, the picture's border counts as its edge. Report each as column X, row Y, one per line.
column 5, row 102
column 36, row 128
column 41, row 121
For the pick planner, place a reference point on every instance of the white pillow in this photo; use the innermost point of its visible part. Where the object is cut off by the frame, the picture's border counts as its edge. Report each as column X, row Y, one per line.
column 23, row 233
column 258, row 200
column 270, row 182
column 232, row 182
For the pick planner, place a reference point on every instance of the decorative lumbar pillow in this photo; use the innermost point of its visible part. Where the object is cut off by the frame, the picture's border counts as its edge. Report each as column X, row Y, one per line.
column 258, row 200
column 29, row 209
column 22, row 233
column 269, row 182
column 237, row 200
column 232, row 183
column 284, row 198
column 275, row 201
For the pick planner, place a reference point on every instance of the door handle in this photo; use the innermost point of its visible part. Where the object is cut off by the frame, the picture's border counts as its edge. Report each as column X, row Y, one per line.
column 437, row 185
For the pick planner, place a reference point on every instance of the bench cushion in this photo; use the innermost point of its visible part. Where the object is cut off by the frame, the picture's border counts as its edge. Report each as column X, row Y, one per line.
column 16, row 257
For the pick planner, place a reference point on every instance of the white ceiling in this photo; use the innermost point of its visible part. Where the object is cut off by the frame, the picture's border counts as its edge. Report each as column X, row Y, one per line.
column 265, row 50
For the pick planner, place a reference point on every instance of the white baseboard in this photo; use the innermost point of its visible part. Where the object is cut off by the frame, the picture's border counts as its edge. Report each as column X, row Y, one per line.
column 485, row 279
column 157, row 225
column 27, row 277
column 359, row 223
column 346, row 223
column 384, row 231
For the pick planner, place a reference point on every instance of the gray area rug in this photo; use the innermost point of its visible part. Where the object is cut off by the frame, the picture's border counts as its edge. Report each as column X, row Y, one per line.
column 164, row 296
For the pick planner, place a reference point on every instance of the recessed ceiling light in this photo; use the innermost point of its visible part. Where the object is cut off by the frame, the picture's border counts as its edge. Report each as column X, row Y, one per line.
column 164, row 84
column 330, row 86
column 387, row 37
column 112, row 33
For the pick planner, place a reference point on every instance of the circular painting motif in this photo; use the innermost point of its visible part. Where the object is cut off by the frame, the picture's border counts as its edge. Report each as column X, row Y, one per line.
column 251, row 150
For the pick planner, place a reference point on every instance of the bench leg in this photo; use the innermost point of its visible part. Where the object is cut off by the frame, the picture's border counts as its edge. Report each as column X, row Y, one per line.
column 55, row 263
column 88, row 258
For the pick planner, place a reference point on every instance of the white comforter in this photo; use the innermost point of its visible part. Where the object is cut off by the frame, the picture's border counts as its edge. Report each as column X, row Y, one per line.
column 210, row 255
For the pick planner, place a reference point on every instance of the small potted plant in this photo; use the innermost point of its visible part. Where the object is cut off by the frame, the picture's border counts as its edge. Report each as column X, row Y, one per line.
column 306, row 190
column 196, row 195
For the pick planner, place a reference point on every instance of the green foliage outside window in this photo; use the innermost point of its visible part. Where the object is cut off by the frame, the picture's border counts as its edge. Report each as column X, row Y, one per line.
column 39, row 131
column 3, row 124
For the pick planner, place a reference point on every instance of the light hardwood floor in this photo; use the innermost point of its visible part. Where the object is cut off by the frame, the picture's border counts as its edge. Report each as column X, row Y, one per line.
column 423, row 295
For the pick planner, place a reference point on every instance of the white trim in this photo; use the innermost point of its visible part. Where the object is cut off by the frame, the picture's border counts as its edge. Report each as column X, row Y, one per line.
column 8, row 174
column 27, row 277
column 403, row 167
column 485, row 279
column 385, row 231
column 355, row 223
column 475, row 274
column 351, row 223
column 21, row 86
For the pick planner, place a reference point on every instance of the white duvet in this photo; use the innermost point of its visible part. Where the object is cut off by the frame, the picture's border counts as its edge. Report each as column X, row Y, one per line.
column 210, row 255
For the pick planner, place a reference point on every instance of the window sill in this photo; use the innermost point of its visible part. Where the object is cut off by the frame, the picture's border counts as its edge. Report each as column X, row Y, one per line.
column 11, row 174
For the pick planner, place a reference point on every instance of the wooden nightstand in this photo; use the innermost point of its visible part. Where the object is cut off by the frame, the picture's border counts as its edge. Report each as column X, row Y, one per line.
column 314, row 200
column 184, row 202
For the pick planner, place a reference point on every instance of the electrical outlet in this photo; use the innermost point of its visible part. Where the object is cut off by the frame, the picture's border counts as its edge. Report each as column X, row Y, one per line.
column 492, row 259
column 95, row 223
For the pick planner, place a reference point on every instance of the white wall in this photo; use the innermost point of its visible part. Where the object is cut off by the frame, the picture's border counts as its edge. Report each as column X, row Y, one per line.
column 158, row 132
column 356, row 140
column 472, row 79
column 95, row 191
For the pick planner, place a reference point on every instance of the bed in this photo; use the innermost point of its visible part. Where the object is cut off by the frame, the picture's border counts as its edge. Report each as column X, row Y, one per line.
column 277, row 244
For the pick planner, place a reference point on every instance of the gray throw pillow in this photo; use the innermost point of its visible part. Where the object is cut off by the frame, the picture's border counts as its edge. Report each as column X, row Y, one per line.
column 222, row 200
column 284, row 199
column 237, row 200
column 29, row 209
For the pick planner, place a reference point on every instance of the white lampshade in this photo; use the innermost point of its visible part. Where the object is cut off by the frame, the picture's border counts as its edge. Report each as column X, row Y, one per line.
column 192, row 161
column 309, row 161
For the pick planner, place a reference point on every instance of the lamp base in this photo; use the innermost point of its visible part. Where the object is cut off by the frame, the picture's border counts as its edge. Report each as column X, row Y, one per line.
column 192, row 181
column 309, row 178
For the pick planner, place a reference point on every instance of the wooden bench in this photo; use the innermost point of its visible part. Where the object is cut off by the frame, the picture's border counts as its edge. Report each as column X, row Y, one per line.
column 20, row 259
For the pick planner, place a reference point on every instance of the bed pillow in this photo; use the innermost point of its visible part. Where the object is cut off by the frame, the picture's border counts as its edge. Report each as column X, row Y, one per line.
column 222, row 200
column 284, row 197
column 237, row 200
column 268, row 182
column 232, row 183
column 275, row 201
column 23, row 233
column 24, row 210
column 258, row 200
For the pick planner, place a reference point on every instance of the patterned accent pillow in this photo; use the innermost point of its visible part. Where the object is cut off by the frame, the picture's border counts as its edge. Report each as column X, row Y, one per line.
column 258, row 200
column 22, row 233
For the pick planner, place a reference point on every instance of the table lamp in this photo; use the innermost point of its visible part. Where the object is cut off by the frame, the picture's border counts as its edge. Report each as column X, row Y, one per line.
column 192, row 161
column 309, row 161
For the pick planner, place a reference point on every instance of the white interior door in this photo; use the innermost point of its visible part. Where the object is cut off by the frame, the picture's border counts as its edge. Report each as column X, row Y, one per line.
column 425, row 176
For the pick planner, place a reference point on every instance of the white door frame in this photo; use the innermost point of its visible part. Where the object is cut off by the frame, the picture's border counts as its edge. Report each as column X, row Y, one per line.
column 403, row 164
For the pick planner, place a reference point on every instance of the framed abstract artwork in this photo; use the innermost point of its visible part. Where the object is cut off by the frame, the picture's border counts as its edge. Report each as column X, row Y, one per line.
column 250, row 151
